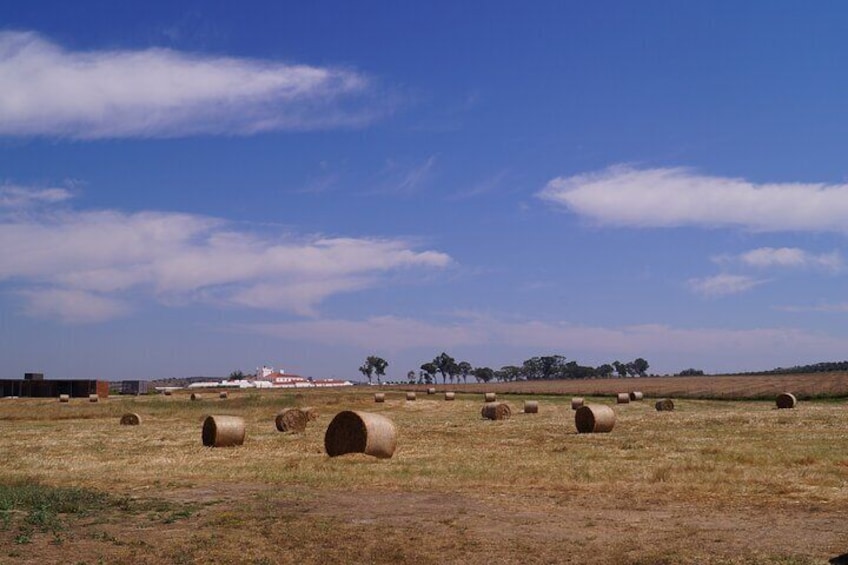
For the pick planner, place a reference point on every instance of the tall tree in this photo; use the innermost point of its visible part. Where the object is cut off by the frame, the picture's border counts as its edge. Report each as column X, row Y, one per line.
column 367, row 369
column 379, row 365
column 604, row 371
column 410, row 377
column 465, row 369
column 446, row 365
column 484, row 374
column 640, row 366
column 430, row 370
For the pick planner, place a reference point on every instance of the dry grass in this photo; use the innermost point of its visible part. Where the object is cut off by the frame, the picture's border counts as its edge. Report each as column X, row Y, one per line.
column 702, row 484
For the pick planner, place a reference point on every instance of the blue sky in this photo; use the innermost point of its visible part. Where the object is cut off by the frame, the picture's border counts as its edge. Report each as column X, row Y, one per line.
column 196, row 188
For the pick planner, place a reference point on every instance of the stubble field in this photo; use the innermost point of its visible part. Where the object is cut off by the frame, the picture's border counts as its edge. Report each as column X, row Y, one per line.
column 715, row 481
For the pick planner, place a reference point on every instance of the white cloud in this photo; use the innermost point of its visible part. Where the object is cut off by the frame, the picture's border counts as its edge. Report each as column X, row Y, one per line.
column 72, row 306
column 723, row 284
column 51, row 91
column 791, row 257
column 12, row 196
column 95, row 257
column 671, row 197
column 710, row 348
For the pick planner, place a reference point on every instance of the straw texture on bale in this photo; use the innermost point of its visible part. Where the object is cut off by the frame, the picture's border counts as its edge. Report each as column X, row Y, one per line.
column 168, row 393
column 130, row 419
column 576, row 402
column 496, row 411
column 223, row 431
column 195, row 396
column 490, row 397
column 623, row 398
column 636, row 395
column 291, row 420
column 64, row 398
column 450, row 396
column 664, row 405
column 786, row 400
column 93, row 398
column 380, row 397
column 531, row 407
column 223, row 394
column 311, row 413
column 431, row 390
column 410, row 396
column 361, row 432
column 594, row 419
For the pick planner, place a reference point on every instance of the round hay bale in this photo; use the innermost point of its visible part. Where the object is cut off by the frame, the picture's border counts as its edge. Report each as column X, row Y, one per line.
column 93, row 398
column 291, row 420
column 623, row 398
column 223, row 394
column 490, row 397
column 636, row 395
column 195, row 396
column 594, row 419
column 380, row 397
column 64, row 398
column 361, row 432
column 223, row 431
column 431, row 390
column 168, row 393
column 786, row 400
column 496, row 411
column 130, row 419
column 311, row 413
column 531, row 407
column 450, row 396
column 576, row 402
column 664, row 405
column 410, row 396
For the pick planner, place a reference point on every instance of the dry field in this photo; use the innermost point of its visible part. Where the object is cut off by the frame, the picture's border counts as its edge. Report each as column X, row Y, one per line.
column 712, row 482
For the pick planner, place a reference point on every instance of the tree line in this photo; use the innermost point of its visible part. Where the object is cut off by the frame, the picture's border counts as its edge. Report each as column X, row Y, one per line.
column 547, row 367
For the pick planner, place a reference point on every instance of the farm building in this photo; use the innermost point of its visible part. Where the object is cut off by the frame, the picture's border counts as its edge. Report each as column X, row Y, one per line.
column 42, row 388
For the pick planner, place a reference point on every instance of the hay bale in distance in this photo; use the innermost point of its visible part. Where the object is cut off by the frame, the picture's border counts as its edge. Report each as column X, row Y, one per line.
column 379, row 397
column 431, row 390
column 786, row 400
column 64, row 398
column 636, row 395
column 623, row 398
column 410, row 396
column 130, row 419
column 223, row 394
column 490, row 397
column 450, row 396
column 223, row 431
column 664, row 405
column 594, row 419
column 195, row 396
column 361, row 432
column 531, row 407
column 168, row 393
column 496, row 411
column 93, row 398
column 291, row 420
column 577, row 402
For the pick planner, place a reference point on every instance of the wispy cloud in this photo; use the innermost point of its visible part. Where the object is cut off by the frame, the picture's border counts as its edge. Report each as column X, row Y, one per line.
column 767, row 347
column 51, row 91
column 96, row 257
column 12, row 196
column 723, row 284
column 836, row 308
column 405, row 180
column 791, row 258
column 671, row 197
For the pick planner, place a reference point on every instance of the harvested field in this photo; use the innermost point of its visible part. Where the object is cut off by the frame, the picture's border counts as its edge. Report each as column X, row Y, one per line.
column 154, row 494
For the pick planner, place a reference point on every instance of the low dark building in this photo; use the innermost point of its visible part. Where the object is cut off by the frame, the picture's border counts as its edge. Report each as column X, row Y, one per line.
column 41, row 388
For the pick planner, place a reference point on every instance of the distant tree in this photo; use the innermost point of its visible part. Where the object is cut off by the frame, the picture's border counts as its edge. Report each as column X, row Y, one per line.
column 410, row 377
column 367, row 369
column 604, row 371
column 446, row 365
column 691, row 373
column 640, row 366
column 236, row 376
column 379, row 365
column 620, row 368
column 508, row 373
column 465, row 369
column 484, row 374
column 430, row 370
